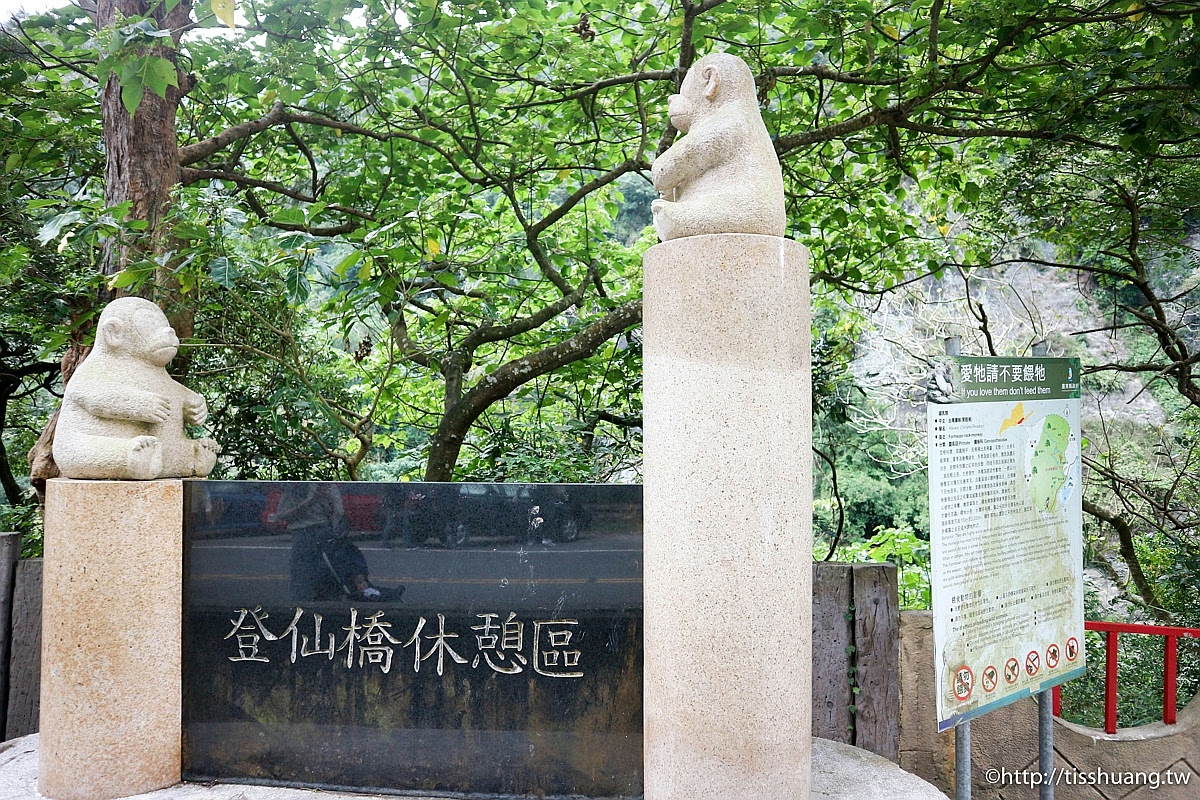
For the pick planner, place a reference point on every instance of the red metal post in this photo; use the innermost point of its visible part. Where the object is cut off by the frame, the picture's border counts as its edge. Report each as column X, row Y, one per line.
column 1110, row 682
column 1169, row 682
column 1056, row 694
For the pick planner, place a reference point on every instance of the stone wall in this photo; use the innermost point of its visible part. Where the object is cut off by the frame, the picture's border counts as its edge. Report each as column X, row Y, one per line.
column 1006, row 740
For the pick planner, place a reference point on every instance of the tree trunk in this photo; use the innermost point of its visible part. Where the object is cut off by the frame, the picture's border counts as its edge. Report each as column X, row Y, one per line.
column 12, row 490
column 141, row 153
column 141, row 159
column 141, row 167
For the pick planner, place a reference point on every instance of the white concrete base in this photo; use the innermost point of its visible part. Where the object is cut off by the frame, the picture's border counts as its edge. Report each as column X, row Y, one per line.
column 727, row 466
column 843, row 772
column 839, row 772
column 111, row 650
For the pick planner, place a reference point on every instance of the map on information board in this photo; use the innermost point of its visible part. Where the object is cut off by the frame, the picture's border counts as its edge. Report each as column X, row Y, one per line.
column 1006, row 542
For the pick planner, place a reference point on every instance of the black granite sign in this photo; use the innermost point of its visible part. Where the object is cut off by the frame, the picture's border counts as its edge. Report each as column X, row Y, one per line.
column 414, row 637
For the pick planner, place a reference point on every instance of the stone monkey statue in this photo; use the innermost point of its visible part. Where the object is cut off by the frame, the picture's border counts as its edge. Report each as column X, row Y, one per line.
column 122, row 415
column 723, row 176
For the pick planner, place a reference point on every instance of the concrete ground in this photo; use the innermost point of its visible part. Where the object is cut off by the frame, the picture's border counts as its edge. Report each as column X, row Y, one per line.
column 840, row 772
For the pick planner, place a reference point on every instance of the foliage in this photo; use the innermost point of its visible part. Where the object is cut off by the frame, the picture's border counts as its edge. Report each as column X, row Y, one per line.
column 409, row 233
column 871, row 494
column 125, row 54
column 429, row 140
column 902, row 547
column 26, row 520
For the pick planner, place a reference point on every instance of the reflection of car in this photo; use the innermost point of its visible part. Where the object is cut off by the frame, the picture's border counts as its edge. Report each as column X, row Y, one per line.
column 226, row 508
column 452, row 513
column 532, row 513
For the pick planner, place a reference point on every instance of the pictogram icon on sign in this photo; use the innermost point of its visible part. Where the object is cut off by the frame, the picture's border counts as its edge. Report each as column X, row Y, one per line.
column 1033, row 662
column 964, row 682
column 991, row 677
column 1052, row 656
column 1012, row 671
column 1072, row 649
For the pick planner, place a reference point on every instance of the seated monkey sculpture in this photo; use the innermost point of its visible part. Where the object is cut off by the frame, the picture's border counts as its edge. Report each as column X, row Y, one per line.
column 122, row 415
column 723, row 176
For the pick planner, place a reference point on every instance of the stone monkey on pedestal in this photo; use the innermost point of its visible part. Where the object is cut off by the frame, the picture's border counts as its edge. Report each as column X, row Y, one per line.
column 122, row 415
column 723, row 176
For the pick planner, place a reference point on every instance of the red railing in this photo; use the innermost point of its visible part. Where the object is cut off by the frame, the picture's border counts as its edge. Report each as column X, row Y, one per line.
column 1110, row 631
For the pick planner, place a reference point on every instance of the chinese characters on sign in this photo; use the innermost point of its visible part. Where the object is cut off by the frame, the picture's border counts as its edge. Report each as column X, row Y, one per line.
column 999, row 373
column 367, row 641
column 1006, row 540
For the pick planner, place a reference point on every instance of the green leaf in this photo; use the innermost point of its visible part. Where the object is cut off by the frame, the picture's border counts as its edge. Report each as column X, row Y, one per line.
column 289, row 216
column 296, row 283
column 131, row 96
column 293, row 241
column 223, row 271
column 160, row 74
column 125, row 278
column 50, row 231
column 189, row 231
column 347, row 263
column 223, row 9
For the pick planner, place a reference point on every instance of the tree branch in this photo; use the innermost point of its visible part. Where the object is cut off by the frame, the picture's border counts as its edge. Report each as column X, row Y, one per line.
column 1129, row 554
column 448, row 440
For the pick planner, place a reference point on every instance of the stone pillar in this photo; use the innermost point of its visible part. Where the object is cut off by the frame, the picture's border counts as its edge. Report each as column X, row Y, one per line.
column 728, row 519
column 111, row 651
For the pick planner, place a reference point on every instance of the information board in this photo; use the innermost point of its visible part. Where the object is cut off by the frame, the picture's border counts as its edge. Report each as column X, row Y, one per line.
column 1005, row 502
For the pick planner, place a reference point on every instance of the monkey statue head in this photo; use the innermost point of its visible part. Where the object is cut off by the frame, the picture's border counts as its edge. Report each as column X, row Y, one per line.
column 717, row 79
column 137, row 328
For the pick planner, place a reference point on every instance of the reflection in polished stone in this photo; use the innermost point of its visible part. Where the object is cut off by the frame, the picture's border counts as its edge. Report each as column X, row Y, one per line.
column 427, row 637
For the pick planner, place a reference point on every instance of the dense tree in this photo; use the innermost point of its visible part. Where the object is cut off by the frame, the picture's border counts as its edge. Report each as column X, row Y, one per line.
column 403, row 230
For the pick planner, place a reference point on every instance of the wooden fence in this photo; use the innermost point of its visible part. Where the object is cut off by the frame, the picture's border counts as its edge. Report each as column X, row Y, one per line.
column 856, row 655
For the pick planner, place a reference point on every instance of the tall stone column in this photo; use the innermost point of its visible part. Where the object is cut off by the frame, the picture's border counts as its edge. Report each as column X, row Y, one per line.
column 111, row 651
column 728, row 519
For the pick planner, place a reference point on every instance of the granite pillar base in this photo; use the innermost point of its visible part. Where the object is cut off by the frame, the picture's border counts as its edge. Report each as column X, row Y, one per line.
column 728, row 519
column 111, row 610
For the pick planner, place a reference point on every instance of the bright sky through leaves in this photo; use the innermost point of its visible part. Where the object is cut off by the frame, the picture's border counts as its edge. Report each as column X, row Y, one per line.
column 9, row 8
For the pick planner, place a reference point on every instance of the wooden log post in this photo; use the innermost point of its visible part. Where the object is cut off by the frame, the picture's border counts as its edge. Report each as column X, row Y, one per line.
column 833, row 660
column 25, row 662
column 877, row 660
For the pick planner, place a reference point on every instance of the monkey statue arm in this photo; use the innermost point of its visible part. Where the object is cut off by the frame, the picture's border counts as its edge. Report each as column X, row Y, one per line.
column 195, row 408
column 691, row 157
column 123, row 402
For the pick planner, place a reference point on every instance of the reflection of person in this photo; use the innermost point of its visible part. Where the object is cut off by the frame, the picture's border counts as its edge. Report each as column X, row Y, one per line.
column 325, row 564
column 399, row 522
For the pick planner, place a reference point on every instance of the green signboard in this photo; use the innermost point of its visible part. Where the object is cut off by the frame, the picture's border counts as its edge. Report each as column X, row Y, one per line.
column 1006, row 544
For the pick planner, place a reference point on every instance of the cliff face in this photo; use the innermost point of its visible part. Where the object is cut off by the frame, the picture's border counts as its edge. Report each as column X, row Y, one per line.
column 1005, row 312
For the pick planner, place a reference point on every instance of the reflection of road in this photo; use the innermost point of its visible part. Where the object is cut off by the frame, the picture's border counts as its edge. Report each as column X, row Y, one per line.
column 590, row 574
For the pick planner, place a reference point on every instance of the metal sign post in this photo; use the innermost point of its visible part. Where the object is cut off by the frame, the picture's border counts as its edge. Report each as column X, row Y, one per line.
column 962, row 761
column 1046, row 744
